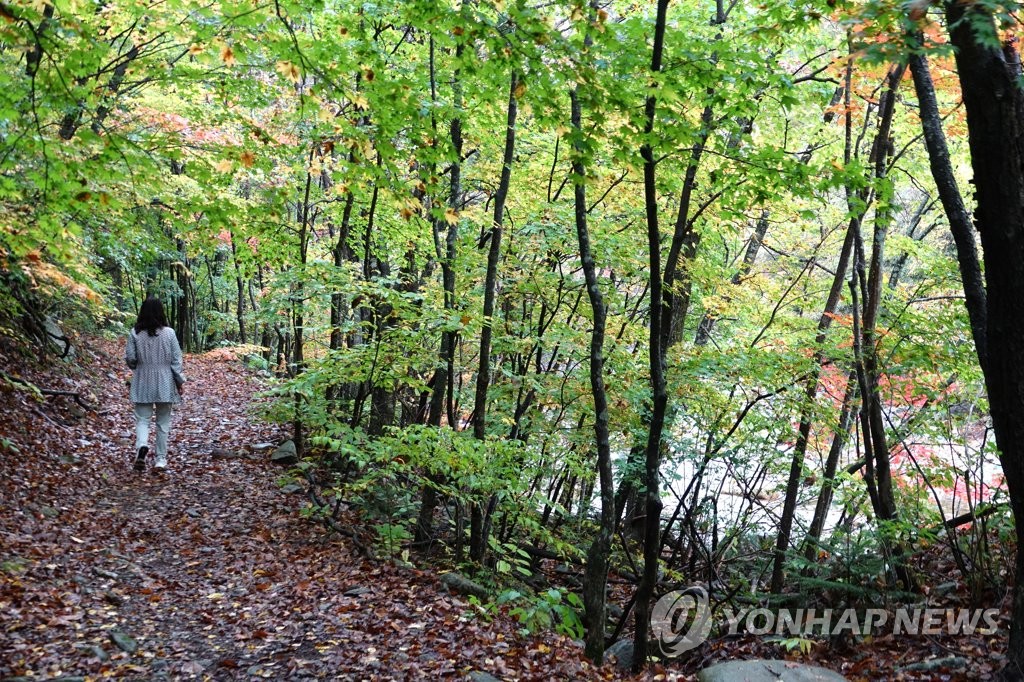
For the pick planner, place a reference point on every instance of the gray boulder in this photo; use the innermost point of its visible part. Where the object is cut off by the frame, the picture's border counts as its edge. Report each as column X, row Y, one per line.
column 767, row 671
column 285, row 454
column 622, row 651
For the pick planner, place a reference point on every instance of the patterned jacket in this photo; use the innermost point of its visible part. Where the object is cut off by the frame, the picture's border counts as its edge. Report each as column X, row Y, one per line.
column 157, row 364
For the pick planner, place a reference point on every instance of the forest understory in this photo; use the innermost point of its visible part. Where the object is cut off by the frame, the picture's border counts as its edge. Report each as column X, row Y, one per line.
column 212, row 571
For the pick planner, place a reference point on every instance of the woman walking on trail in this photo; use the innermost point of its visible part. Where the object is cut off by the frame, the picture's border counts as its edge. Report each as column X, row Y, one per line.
column 153, row 352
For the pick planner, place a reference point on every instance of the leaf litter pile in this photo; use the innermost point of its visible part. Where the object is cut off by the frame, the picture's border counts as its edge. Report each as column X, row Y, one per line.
column 210, row 572
column 207, row 571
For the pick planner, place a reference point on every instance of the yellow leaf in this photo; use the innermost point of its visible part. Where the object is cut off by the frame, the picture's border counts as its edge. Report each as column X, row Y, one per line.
column 451, row 216
column 838, row 166
column 215, row 596
column 195, row 49
column 224, row 166
column 289, row 71
column 248, row 159
column 360, row 101
column 227, row 55
column 520, row 90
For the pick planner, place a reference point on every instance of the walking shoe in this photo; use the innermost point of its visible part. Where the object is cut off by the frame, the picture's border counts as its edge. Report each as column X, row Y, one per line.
column 161, row 463
column 140, row 459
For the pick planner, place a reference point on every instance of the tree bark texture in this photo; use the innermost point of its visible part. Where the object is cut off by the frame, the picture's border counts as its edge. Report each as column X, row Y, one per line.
column 989, row 79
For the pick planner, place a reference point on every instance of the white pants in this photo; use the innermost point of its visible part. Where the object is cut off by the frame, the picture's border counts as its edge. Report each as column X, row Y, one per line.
column 143, row 412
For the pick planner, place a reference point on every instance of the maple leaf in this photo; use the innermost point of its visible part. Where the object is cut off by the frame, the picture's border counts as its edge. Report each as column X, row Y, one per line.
column 451, row 216
column 195, row 49
column 227, row 55
column 224, row 166
column 248, row 159
column 289, row 71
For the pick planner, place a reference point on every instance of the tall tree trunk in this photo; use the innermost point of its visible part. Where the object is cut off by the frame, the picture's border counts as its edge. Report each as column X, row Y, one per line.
column 656, row 361
column 240, row 300
column 669, row 307
column 479, row 516
column 952, row 202
column 596, row 573
column 381, row 393
column 990, row 83
column 443, row 375
column 341, row 253
column 183, row 314
column 298, row 360
column 871, row 399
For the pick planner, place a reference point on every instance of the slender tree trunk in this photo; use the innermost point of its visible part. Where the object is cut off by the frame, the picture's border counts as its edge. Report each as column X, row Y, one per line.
column 341, row 253
column 656, row 361
column 886, row 510
column 952, row 202
column 240, row 301
column 442, row 377
column 839, row 438
column 596, row 574
column 183, row 315
column 298, row 360
column 479, row 517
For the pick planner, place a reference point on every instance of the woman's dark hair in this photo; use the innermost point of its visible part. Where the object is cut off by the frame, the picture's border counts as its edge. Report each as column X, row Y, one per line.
column 151, row 316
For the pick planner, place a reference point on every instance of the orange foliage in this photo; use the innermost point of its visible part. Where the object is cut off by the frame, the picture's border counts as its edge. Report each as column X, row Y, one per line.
column 42, row 274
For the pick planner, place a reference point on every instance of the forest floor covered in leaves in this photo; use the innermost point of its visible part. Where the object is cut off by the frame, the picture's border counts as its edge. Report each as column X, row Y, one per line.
column 207, row 570
column 210, row 571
